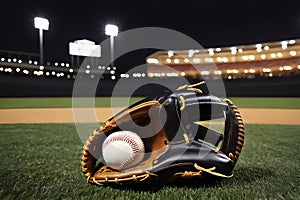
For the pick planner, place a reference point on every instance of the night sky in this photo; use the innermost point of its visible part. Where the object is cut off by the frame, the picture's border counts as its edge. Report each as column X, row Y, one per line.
column 211, row 23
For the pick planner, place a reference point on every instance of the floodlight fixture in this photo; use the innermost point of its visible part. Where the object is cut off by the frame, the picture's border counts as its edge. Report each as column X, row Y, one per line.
column 111, row 30
column 41, row 23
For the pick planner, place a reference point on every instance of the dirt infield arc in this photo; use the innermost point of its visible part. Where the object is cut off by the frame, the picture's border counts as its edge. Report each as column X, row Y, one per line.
column 65, row 115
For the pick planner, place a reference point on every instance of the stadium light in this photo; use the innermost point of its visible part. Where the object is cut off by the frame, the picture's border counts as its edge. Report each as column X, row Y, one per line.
column 41, row 24
column 112, row 31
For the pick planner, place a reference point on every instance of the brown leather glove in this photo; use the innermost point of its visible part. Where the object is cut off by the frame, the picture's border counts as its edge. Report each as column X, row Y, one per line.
column 185, row 134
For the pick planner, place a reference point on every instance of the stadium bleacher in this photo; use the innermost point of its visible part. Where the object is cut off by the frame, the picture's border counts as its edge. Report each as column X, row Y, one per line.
column 256, row 67
column 273, row 59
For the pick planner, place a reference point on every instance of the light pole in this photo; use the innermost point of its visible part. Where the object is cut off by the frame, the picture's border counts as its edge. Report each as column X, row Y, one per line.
column 112, row 31
column 41, row 24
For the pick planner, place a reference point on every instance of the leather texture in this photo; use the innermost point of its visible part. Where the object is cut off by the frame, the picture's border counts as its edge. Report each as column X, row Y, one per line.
column 184, row 147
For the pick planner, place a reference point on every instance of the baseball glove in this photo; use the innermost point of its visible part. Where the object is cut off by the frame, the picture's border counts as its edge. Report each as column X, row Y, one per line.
column 186, row 134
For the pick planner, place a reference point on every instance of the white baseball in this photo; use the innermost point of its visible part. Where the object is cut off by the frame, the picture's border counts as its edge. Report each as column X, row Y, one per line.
column 123, row 149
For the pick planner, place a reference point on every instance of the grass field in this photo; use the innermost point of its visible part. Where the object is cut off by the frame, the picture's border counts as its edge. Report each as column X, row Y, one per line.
column 42, row 161
column 55, row 102
column 290, row 103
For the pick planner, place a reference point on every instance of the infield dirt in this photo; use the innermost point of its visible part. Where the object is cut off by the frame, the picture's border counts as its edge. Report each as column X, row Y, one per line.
column 65, row 115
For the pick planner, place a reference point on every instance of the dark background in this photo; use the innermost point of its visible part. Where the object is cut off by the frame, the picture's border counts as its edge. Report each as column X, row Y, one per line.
column 210, row 23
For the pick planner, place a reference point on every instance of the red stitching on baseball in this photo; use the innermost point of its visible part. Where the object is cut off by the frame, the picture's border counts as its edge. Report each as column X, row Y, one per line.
column 133, row 144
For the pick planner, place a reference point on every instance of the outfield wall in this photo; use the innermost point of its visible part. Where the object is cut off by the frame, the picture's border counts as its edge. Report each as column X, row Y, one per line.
column 22, row 86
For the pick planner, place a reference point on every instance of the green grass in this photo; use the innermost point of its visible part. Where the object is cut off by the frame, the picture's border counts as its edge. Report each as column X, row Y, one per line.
column 290, row 103
column 267, row 102
column 57, row 102
column 42, row 161
column 35, row 102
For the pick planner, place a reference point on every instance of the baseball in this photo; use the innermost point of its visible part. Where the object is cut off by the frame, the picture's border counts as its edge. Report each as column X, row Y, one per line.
column 123, row 149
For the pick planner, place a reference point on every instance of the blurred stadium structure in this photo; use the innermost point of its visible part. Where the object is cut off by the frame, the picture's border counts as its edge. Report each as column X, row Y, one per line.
column 248, row 61
column 265, row 69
